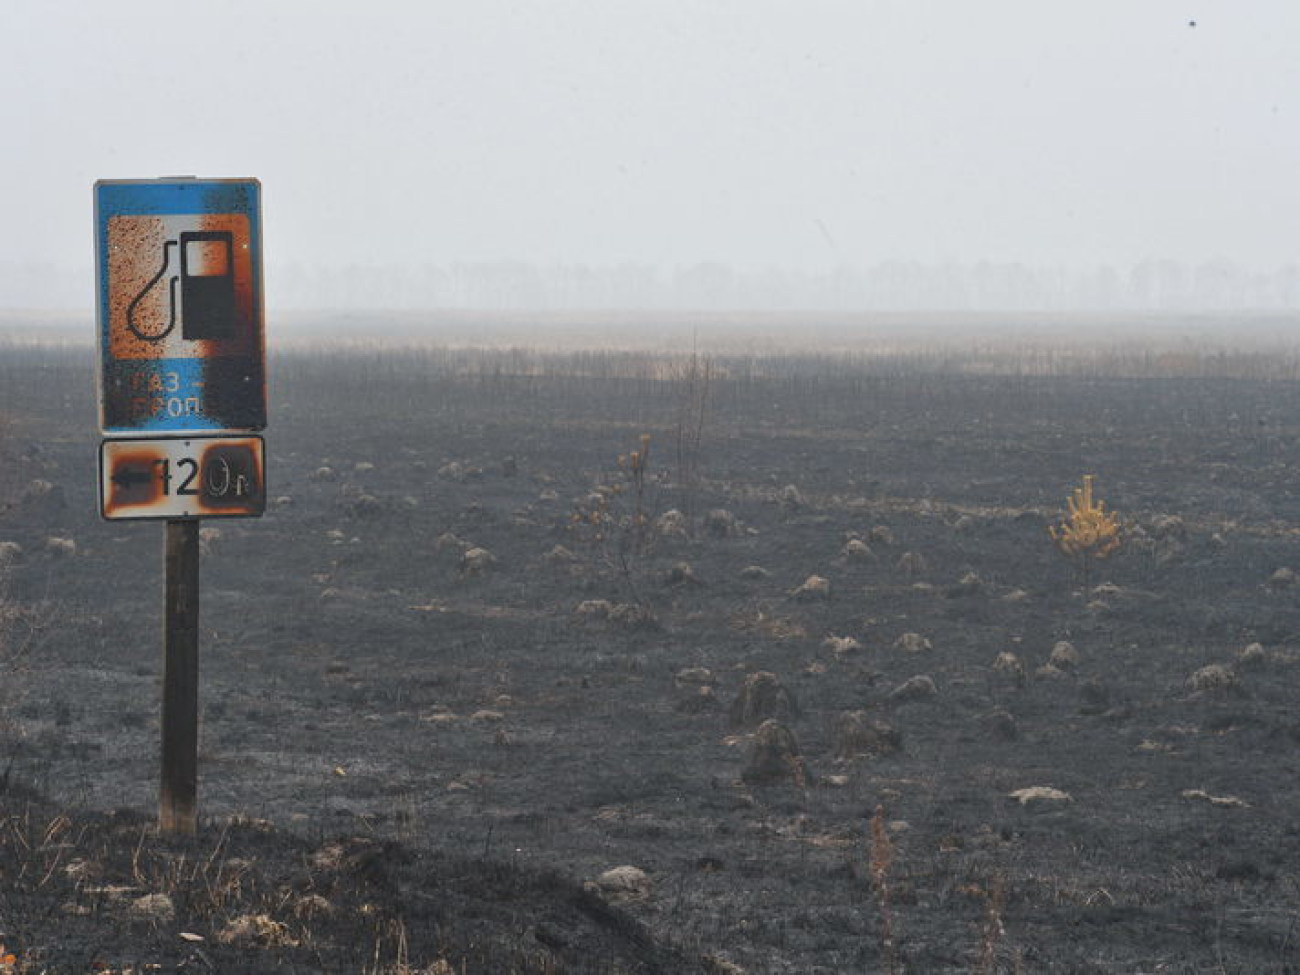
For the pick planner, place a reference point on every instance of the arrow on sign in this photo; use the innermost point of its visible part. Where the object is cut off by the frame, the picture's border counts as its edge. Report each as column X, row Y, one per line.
column 173, row 477
column 130, row 477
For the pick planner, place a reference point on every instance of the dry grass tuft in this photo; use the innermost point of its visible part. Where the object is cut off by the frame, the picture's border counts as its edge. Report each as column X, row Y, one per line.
column 814, row 588
column 993, row 930
column 881, row 859
column 760, row 622
column 857, row 734
column 259, row 930
column 774, row 757
column 762, row 697
column 1213, row 678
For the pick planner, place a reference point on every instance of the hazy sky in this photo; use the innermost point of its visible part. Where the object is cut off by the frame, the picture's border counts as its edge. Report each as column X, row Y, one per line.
column 800, row 134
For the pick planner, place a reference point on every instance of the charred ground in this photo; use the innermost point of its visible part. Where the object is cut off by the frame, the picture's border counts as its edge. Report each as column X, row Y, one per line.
column 449, row 750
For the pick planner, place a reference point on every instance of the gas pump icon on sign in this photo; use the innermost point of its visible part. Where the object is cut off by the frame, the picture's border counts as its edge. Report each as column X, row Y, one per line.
column 207, row 284
column 201, row 296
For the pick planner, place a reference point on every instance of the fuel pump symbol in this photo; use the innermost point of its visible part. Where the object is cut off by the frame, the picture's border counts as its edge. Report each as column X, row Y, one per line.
column 207, row 284
column 202, row 295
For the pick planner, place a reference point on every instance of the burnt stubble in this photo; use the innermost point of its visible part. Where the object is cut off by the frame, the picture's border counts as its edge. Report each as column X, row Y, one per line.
column 411, row 755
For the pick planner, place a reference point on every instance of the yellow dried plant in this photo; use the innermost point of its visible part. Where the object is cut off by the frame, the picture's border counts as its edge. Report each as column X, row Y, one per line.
column 1089, row 531
column 636, row 462
column 634, row 466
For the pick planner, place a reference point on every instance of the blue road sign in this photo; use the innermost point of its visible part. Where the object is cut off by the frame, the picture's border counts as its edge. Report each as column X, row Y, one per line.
column 182, row 347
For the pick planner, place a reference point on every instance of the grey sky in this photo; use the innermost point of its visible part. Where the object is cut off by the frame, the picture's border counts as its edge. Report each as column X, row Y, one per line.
column 805, row 135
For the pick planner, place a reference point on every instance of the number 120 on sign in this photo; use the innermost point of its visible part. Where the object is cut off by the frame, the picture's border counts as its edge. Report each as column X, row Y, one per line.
column 199, row 477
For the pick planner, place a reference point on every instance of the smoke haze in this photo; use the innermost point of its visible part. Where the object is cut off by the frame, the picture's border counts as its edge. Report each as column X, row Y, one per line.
column 676, row 154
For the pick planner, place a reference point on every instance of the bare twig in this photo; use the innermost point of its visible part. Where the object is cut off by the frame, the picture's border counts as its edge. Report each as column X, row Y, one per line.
column 882, row 856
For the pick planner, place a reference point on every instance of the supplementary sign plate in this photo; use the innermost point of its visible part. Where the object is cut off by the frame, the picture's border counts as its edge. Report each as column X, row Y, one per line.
column 180, row 306
column 200, row 477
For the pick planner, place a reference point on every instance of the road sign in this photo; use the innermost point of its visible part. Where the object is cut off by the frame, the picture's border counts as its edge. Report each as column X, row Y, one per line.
column 179, row 266
column 202, row 477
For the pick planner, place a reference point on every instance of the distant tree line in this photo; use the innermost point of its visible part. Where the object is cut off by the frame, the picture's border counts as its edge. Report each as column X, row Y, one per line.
column 890, row 286
column 1156, row 285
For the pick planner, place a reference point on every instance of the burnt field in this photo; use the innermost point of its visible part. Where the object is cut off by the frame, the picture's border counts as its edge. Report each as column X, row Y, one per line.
column 471, row 661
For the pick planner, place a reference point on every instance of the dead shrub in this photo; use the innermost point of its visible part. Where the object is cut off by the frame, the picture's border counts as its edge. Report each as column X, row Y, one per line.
column 1040, row 798
column 721, row 523
column 671, row 524
column 1049, row 672
column 1063, row 655
column 970, row 584
column 912, row 643
column 360, row 504
column 1283, row 578
column 762, row 697
column 681, row 575
column 702, row 699
column 633, row 616
column 914, row 690
column 842, row 646
column 1251, row 655
column 593, row 609
column 1169, row 526
column 693, row 676
column 61, row 547
column 856, row 550
column 911, row 564
column 312, row 905
column 882, row 535
column 459, row 471
column 814, row 588
column 477, row 562
column 158, row 908
column 1010, row 666
column 858, row 735
column 774, row 757
column 1214, row 678
column 257, row 930
column 762, row 623
column 624, row 883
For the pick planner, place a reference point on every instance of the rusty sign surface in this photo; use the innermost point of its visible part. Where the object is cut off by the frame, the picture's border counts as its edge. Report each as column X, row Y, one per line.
column 179, row 265
column 174, row 477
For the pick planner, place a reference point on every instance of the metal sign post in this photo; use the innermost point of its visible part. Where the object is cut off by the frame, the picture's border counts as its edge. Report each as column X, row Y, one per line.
column 182, row 387
column 178, row 792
